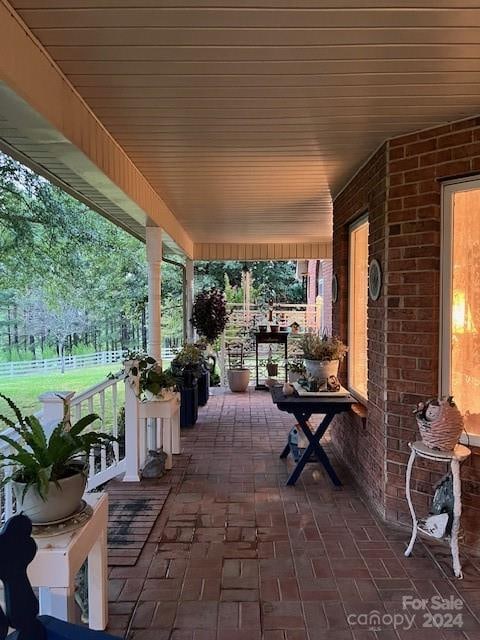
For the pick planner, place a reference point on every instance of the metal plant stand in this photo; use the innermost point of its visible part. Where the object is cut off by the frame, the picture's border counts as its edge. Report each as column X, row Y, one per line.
column 454, row 458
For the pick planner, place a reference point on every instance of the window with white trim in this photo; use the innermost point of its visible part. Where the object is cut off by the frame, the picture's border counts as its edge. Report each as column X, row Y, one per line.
column 357, row 307
column 460, row 300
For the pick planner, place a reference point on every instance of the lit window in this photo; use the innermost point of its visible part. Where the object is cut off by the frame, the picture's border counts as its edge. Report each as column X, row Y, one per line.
column 358, row 302
column 460, row 362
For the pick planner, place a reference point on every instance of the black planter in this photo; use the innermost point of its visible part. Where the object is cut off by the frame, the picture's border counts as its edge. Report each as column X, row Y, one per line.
column 188, row 404
column 203, row 388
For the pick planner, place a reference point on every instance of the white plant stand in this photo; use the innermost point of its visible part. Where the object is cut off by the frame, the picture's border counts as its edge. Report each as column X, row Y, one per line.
column 167, row 416
column 454, row 458
column 149, row 424
column 59, row 559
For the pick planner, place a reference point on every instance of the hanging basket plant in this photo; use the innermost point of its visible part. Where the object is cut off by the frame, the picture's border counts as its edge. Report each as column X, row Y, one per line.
column 210, row 314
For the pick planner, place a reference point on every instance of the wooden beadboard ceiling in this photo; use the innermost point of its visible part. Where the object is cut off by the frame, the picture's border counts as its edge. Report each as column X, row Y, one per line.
column 247, row 116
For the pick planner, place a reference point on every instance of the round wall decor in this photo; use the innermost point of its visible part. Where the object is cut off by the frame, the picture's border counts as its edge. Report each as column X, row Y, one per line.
column 374, row 279
column 334, row 287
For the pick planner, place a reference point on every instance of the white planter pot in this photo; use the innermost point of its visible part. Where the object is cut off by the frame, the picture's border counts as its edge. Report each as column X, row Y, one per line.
column 321, row 369
column 238, row 379
column 163, row 396
column 61, row 501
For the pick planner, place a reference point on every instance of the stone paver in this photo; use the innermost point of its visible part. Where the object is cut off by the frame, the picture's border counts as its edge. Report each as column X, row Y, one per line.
column 237, row 555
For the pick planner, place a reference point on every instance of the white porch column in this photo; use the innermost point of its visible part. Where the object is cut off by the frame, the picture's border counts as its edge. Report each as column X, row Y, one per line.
column 189, row 298
column 154, row 257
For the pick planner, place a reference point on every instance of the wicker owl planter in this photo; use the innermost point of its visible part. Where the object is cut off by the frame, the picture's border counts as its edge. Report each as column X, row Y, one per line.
column 440, row 423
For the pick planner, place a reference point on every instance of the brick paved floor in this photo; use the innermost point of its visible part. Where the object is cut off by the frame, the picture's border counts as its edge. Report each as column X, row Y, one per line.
column 237, row 555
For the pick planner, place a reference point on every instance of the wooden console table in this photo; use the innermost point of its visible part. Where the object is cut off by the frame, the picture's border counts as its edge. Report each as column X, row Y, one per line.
column 303, row 408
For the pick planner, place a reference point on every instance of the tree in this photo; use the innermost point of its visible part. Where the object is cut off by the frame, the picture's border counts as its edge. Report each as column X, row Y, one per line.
column 56, row 323
column 272, row 280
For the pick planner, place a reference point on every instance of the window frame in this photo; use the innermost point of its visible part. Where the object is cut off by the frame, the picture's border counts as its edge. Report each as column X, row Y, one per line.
column 358, row 222
column 449, row 188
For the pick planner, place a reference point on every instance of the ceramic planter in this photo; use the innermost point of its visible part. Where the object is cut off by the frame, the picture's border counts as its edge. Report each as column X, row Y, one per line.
column 63, row 498
column 203, row 388
column 321, row 369
column 163, row 396
column 238, row 379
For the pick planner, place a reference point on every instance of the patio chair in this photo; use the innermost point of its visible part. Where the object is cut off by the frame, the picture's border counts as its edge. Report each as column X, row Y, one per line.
column 17, row 550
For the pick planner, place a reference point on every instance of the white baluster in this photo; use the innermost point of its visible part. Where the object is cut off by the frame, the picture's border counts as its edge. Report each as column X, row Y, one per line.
column 92, row 453
column 103, row 451
column 116, row 448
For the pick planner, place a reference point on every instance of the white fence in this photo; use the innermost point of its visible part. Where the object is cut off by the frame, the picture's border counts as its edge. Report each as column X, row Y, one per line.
column 26, row 367
column 48, row 364
column 242, row 320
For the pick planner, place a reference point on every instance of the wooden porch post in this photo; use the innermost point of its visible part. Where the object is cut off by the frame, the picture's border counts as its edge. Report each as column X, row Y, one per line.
column 154, row 257
column 189, row 271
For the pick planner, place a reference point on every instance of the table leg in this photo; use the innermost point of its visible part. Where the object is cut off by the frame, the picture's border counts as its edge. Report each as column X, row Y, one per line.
column 57, row 602
column 457, row 512
column 314, row 440
column 97, row 584
column 285, row 452
column 314, row 447
column 176, row 449
column 167, row 426
column 410, row 504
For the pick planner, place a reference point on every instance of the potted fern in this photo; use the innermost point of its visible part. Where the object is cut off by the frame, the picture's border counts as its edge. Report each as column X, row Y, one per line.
column 49, row 475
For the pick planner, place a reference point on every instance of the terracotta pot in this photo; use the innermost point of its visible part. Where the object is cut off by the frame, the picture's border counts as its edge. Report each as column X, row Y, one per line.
column 272, row 369
column 321, row 369
column 62, row 500
column 238, row 379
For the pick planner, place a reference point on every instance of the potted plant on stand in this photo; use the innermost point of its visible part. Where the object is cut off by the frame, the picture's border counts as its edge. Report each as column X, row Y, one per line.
column 193, row 358
column 322, row 355
column 271, row 364
column 238, row 375
column 148, row 378
column 49, row 475
column 187, row 367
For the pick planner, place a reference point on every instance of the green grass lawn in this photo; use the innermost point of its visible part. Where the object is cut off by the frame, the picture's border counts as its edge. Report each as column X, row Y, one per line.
column 24, row 390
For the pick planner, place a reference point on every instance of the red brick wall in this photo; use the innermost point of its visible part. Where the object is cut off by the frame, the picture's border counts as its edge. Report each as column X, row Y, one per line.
column 403, row 326
column 363, row 448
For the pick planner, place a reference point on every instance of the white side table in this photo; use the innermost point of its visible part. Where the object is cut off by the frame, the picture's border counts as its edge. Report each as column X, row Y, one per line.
column 454, row 458
column 167, row 416
column 59, row 559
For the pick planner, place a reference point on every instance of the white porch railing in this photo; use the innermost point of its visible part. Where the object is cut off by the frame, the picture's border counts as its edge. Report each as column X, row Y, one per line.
column 107, row 399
